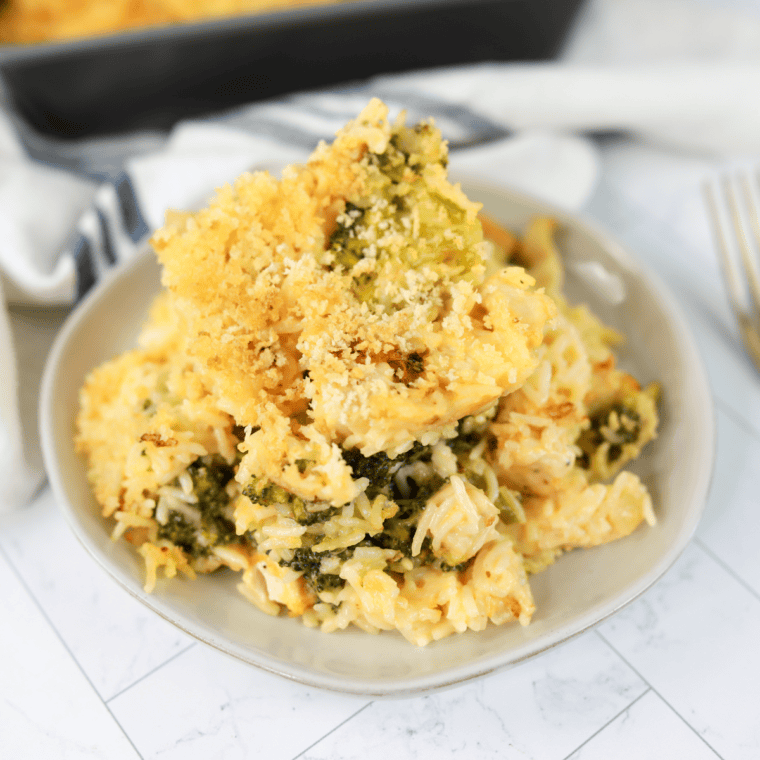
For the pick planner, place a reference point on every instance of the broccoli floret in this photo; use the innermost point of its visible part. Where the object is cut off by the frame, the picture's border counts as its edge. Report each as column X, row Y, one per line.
column 412, row 503
column 407, row 367
column 456, row 568
column 398, row 535
column 304, row 516
column 412, row 147
column 617, row 424
column 414, row 364
column 379, row 230
column 347, row 248
column 182, row 533
column 392, row 161
column 303, row 465
column 376, row 468
column 468, row 436
column 398, row 531
column 261, row 491
column 509, row 503
column 210, row 477
column 379, row 468
column 309, row 563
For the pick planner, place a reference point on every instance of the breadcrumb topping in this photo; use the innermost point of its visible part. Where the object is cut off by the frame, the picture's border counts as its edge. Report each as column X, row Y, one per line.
column 347, row 303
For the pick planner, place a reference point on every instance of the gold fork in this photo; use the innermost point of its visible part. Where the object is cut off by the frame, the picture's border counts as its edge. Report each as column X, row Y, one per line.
column 734, row 206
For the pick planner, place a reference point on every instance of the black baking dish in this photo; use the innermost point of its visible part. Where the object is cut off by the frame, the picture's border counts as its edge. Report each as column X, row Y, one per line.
column 149, row 78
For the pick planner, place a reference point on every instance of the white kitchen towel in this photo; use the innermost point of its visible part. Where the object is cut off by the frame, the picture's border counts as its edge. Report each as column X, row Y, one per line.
column 711, row 106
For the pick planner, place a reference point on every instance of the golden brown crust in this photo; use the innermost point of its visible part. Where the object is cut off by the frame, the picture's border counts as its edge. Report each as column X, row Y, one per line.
column 308, row 349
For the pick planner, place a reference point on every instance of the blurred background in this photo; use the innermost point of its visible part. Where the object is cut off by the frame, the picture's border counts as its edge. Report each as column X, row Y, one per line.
column 82, row 67
column 88, row 72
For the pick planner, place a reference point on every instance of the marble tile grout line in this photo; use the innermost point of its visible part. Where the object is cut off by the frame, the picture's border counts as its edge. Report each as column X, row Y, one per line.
column 147, row 675
column 332, row 730
column 657, row 693
column 65, row 646
column 700, row 544
column 612, row 719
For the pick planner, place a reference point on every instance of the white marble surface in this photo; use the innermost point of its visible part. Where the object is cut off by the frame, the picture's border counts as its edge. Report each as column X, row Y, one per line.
column 86, row 672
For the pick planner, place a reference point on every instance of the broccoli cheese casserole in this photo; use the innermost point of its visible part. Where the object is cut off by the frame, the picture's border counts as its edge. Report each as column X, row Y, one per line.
column 32, row 21
column 366, row 398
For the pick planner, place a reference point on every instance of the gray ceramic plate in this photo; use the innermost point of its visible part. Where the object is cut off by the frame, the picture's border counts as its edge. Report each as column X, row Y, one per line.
column 580, row 590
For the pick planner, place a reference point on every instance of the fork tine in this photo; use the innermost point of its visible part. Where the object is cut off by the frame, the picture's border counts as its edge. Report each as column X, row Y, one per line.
column 749, row 255
column 741, row 222
column 727, row 241
column 723, row 235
